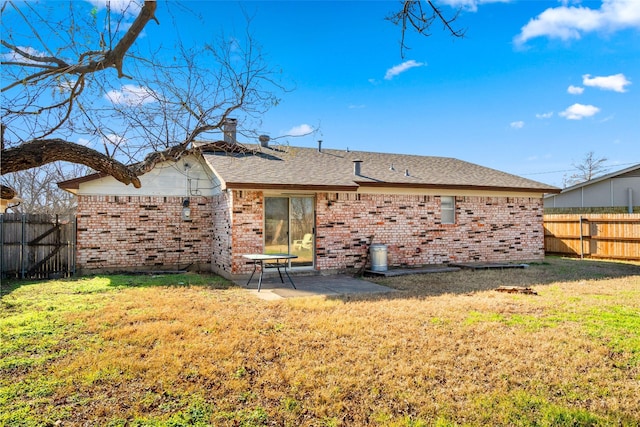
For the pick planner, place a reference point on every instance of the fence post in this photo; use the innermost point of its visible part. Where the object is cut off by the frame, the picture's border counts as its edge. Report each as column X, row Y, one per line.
column 581, row 239
column 1, row 245
column 23, row 246
column 74, row 244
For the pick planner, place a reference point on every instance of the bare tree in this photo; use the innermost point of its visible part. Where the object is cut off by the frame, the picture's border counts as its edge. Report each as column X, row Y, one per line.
column 590, row 167
column 83, row 89
column 38, row 190
column 80, row 91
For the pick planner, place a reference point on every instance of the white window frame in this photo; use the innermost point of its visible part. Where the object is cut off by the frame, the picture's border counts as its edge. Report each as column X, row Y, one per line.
column 448, row 213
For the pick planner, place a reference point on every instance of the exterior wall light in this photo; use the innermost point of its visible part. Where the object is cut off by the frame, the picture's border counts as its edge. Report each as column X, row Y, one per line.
column 186, row 210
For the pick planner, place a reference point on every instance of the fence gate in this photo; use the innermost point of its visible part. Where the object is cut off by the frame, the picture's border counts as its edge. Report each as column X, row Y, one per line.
column 36, row 246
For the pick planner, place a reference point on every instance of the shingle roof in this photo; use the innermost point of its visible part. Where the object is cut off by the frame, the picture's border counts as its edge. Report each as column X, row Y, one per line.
column 307, row 168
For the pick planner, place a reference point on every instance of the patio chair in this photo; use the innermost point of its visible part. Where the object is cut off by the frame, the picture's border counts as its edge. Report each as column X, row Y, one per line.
column 305, row 243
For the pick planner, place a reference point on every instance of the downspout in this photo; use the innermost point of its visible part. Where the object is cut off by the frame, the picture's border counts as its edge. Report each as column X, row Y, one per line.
column 630, row 200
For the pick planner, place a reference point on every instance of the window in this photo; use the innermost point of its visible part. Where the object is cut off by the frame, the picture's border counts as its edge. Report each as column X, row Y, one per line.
column 448, row 209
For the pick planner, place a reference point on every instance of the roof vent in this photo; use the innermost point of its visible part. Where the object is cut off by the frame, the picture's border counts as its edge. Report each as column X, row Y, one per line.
column 319, row 146
column 264, row 140
column 356, row 167
column 391, row 168
column 406, row 172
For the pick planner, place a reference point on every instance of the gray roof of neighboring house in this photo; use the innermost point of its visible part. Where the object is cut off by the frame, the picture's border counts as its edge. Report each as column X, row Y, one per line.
column 632, row 171
column 288, row 167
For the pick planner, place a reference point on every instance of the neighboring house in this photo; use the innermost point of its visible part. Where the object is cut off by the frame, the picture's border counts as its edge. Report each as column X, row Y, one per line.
column 9, row 203
column 326, row 206
column 617, row 191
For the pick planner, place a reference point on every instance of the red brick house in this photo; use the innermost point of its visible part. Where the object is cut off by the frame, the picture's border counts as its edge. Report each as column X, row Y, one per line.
column 326, row 206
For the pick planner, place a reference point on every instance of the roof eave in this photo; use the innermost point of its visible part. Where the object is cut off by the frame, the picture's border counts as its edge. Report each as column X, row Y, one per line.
column 289, row 187
column 74, row 184
column 458, row 187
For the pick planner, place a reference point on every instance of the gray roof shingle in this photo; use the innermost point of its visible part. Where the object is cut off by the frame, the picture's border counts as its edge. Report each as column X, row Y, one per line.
column 292, row 167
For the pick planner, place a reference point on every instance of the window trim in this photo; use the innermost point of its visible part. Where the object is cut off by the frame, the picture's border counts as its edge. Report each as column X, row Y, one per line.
column 451, row 211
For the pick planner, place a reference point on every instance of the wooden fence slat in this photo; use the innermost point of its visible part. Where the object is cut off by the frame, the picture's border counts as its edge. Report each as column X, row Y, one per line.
column 615, row 236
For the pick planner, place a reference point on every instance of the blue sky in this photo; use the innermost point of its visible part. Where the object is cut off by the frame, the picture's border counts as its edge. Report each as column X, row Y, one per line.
column 531, row 89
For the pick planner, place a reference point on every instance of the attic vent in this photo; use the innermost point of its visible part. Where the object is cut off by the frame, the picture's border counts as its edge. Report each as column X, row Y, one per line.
column 391, row 168
column 406, row 172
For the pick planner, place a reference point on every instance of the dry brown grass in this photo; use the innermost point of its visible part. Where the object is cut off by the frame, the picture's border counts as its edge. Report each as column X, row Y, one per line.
column 447, row 351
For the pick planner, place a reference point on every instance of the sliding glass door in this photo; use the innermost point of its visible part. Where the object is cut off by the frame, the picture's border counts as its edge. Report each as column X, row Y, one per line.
column 289, row 228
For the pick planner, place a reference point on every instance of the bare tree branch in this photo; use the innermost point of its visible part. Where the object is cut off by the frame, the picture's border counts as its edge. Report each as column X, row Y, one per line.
column 111, row 58
column 413, row 16
column 40, row 152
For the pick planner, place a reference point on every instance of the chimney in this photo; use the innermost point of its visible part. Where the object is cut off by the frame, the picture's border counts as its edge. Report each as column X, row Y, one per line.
column 319, row 146
column 264, row 140
column 356, row 167
column 229, row 130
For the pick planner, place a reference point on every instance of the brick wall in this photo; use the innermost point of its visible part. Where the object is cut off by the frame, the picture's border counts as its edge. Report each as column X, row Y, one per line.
column 142, row 232
column 125, row 232
column 486, row 229
column 248, row 228
column 221, row 259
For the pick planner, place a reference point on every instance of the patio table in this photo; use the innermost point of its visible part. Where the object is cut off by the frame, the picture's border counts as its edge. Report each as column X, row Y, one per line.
column 270, row 261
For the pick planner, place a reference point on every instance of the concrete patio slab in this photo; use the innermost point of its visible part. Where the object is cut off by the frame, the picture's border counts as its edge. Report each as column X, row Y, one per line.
column 308, row 286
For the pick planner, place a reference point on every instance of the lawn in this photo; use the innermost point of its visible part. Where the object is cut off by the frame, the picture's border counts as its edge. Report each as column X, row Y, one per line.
column 447, row 350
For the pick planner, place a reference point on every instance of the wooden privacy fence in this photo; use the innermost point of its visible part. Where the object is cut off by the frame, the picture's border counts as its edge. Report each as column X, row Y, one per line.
column 614, row 236
column 36, row 246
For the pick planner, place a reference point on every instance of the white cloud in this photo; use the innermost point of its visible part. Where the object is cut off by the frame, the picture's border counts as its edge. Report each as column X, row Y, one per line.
column 113, row 139
column 122, row 7
column 616, row 82
column 66, row 84
column 401, row 68
column 357, row 106
column 517, row 125
column 131, row 95
column 301, row 130
column 579, row 111
column 16, row 57
column 469, row 5
column 544, row 115
column 575, row 90
column 84, row 141
column 572, row 22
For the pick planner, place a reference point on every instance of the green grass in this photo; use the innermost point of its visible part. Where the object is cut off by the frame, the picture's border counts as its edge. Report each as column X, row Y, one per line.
column 193, row 350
